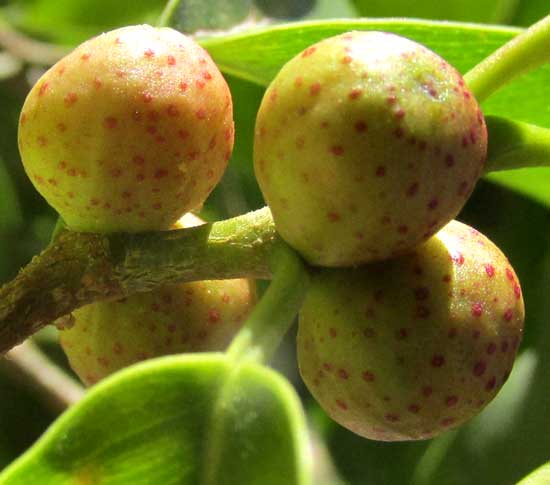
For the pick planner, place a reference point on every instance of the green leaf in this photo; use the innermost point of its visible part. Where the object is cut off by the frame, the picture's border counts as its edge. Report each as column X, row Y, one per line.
column 71, row 22
column 541, row 476
column 257, row 57
column 490, row 11
column 531, row 182
column 192, row 419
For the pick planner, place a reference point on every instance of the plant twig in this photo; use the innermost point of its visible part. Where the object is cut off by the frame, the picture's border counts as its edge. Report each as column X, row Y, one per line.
column 523, row 53
column 274, row 314
column 35, row 370
column 515, row 144
column 81, row 268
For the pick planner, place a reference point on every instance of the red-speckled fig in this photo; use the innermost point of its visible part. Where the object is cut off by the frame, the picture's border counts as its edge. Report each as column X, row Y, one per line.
column 190, row 317
column 409, row 348
column 366, row 144
column 129, row 131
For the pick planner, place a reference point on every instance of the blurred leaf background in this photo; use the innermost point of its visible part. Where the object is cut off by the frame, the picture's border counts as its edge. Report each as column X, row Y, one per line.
column 510, row 437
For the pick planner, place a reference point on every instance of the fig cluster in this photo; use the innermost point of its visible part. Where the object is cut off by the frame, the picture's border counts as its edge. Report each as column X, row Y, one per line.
column 367, row 145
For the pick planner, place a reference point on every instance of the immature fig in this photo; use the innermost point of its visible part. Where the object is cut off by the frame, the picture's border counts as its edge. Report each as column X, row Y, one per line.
column 408, row 348
column 366, row 144
column 129, row 131
column 190, row 317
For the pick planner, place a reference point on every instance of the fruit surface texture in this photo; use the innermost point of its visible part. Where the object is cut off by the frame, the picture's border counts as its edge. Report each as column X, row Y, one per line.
column 366, row 144
column 189, row 317
column 409, row 348
column 129, row 131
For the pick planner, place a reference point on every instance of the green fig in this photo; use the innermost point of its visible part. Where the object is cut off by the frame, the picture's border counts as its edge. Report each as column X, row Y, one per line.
column 366, row 145
column 129, row 131
column 409, row 348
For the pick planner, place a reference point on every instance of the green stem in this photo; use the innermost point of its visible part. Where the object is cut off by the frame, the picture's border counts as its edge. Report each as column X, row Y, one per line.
column 514, row 144
column 167, row 13
column 275, row 313
column 81, row 268
column 523, row 53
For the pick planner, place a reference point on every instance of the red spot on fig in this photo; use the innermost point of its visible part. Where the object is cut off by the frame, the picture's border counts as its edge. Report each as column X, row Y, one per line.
column 490, row 270
column 171, row 60
column 437, row 360
column 491, row 384
column 70, row 99
column 315, row 88
column 332, row 332
column 508, row 314
column 341, row 404
column 355, row 93
column 380, row 171
column 414, row 408
column 43, row 89
column 110, row 122
column 309, row 51
column 368, row 376
column 457, row 258
column 451, row 401
column 491, row 348
column 337, row 150
column 427, row 391
column 412, row 189
column 213, row 316
column 360, row 126
column 479, row 368
column 401, row 334
column 342, row 374
column 477, row 309
column 333, row 216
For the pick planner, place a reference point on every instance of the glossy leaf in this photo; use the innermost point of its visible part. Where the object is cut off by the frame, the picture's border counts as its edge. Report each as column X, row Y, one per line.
column 194, row 419
column 490, row 11
column 541, row 476
column 71, row 22
column 257, row 56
